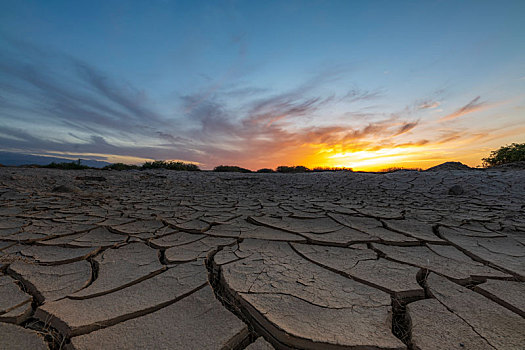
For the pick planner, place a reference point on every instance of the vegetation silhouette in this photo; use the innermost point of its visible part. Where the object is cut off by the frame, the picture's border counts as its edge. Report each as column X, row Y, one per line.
column 66, row 166
column 395, row 168
column 157, row 164
column 266, row 170
column 302, row 169
column 231, row 169
column 280, row 169
column 170, row 165
column 120, row 167
column 514, row 152
column 292, row 169
column 324, row 169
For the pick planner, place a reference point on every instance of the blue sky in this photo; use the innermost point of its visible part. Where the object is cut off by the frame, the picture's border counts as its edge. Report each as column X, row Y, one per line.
column 259, row 83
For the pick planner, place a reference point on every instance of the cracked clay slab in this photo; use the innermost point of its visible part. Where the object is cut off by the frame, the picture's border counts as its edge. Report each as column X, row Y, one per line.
column 503, row 252
column 14, row 337
column 48, row 283
column 304, row 305
column 445, row 260
column 98, row 237
column 417, row 229
column 197, row 249
column 373, row 227
column 119, row 268
column 362, row 264
column 510, row 294
column 79, row 316
column 50, row 255
column 198, row 321
column 260, row 344
column 502, row 328
column 444, row 330
column 14, row 302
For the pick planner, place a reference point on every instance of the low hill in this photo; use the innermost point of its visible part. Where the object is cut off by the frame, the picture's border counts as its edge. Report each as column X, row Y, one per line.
column 16, row 159
column 449, row 166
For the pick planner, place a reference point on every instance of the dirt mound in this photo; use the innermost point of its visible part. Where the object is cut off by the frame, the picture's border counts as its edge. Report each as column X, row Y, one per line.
column 450, row 166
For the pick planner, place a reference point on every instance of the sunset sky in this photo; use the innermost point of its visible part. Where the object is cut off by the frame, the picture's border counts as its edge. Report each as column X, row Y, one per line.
column 361, row 84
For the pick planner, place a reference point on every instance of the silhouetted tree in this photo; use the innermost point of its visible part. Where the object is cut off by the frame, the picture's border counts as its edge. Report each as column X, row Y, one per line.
column 506, row 154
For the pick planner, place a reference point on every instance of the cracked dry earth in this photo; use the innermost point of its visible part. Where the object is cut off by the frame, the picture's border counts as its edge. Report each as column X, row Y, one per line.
column 176, row 260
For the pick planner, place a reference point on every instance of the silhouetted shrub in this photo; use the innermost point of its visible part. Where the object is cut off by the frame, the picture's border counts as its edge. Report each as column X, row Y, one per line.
column 120, row 166
column 66, row 166
column 323, row 169
column 292, row 169
column 506, row 154
column 266, row 170
column 231, row 169
column 162, row 164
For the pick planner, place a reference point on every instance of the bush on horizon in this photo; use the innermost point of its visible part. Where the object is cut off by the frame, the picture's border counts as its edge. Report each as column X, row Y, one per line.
column 121, row 166
column 396, row 168
column 66, row 166
column 302, row 169
column 505, row 154
column 325, row 168
column 292, row 169
column 231, row 169
column 266, row 170
column 162, row 164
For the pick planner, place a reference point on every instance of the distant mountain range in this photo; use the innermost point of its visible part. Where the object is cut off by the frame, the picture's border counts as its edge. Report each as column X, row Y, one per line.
column 10, row 158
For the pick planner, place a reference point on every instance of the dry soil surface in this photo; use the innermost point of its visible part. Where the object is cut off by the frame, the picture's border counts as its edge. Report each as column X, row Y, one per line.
column 200, row 260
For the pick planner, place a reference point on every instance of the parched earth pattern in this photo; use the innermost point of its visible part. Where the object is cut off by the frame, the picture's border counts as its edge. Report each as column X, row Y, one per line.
column 176, row 260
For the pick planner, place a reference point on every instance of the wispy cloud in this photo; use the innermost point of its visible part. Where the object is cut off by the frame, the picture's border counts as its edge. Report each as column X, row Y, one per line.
column 356, row 94
column 473, row 106
column 429, row 104
column 406, row 127
column 85, row 99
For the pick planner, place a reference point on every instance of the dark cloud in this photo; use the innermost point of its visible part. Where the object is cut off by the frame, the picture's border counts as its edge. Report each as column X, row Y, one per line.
column 19, row 140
